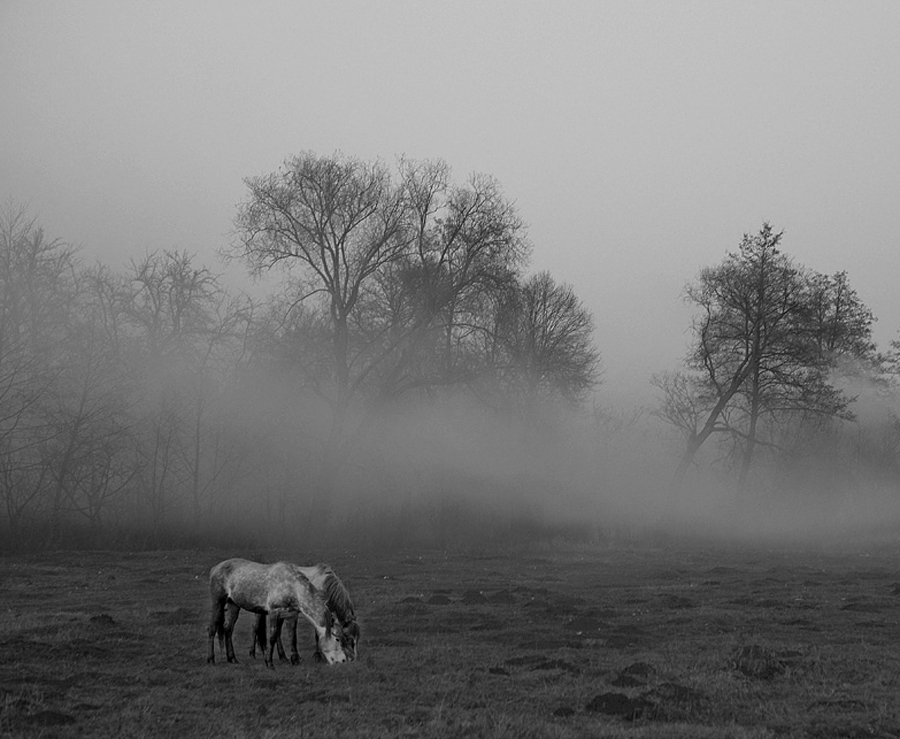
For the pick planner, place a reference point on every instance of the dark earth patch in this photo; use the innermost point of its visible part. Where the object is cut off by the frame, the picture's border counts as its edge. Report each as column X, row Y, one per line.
column 618, row 704
column 863, row 606
column 473, row 597
column 556, row 664
column 635, row 675
column 103, row 619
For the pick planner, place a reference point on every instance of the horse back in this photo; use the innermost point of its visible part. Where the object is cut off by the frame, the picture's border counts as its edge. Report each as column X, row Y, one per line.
column 241, row 581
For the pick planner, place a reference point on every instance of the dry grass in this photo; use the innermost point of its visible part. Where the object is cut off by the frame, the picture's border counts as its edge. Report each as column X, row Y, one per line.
column 549, row 642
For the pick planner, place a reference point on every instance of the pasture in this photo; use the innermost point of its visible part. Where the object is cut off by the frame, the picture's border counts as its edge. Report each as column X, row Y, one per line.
column 549, row 641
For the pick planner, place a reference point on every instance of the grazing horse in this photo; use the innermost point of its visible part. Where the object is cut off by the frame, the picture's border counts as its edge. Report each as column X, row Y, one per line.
column 279, row 590
column 337, row 600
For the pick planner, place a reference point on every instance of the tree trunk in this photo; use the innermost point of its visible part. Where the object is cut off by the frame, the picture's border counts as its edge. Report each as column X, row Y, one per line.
column 693, row 446
column 329, row 470
column 755, row 404
column 697, row 440
column 750, row 448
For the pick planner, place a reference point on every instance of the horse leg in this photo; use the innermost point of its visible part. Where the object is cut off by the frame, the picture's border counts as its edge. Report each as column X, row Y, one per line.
column 295, row 655
column 261, row 637
column 274, row 636
column 279, row 645
column 230, row 620
column 216, row 627
column 259, row 634
column 317, row 654
column 282, row 657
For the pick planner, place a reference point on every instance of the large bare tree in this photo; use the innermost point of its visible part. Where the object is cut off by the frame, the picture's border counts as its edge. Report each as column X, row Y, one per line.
column 767, row 334
column 386, row 271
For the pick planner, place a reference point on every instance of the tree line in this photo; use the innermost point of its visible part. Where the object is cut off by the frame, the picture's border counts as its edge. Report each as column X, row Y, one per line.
column 123, row 394
column 133, row 403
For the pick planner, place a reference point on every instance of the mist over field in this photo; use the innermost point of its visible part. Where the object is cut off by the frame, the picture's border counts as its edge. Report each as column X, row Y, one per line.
column 446, row 472
column 150, row 406
column 447, row 276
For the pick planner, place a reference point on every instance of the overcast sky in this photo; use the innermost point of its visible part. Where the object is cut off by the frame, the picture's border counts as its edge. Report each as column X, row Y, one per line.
column 639, row 140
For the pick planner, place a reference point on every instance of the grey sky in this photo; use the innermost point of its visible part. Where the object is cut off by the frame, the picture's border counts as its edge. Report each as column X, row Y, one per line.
column 639, row 140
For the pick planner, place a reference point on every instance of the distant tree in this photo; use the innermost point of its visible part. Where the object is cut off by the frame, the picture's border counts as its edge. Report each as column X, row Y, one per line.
column 767, row 335
column 37, row 294
column 545, row 335
column 882, row 447
column 184, row 335
column 432, row 311
column 338, row 220
column 90, row 453
column 386, row 274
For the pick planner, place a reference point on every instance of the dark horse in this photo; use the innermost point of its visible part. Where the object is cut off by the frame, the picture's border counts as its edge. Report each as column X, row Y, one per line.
column 337, row 600
column 278, row 590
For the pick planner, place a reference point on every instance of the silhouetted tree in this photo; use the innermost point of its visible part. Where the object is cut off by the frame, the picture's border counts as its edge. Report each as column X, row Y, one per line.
column 766, row 338
column 545, row 336
column 386, row 274
column 185, row 336
column 339, row 220
column 37, row 292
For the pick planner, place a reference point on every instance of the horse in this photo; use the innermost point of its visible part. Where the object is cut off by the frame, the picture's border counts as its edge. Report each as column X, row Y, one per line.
column 279, row 590
column 337, row 600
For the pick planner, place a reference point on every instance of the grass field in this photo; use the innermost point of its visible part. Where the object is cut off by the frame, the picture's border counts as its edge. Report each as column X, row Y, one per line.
column 551, row 641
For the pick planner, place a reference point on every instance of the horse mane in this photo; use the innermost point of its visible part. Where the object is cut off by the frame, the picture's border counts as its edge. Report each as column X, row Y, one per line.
column 336, row 595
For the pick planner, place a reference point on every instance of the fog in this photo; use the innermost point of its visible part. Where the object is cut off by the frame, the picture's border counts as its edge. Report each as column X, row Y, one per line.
column 447, row 472
column 638, row 140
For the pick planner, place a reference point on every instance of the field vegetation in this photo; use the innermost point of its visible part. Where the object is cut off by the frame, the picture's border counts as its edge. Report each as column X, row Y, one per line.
column 555, row 640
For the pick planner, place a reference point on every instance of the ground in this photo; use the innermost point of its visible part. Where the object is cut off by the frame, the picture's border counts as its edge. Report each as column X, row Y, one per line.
column 555, row 640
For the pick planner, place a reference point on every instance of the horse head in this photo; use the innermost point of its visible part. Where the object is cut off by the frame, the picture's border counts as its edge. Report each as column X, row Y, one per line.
column 350, row 639
column 330, row 647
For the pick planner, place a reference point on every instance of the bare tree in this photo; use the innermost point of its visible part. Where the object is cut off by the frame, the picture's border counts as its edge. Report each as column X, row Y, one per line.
column 176, row 318
column 767, row 335
column 340, row 220
column 386, row 275
column 37, row 290
column 545, row 337
column 430, row 313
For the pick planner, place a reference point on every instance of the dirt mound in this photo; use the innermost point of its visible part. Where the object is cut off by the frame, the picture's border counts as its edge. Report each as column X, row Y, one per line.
column 633, row 676
column 618, row 704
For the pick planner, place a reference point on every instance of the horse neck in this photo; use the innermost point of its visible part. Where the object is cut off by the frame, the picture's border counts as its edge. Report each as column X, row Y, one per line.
column 338, row 600
column 313, row 609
